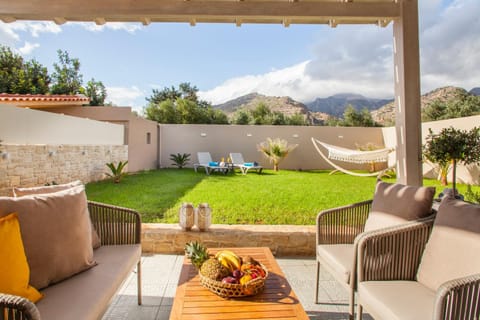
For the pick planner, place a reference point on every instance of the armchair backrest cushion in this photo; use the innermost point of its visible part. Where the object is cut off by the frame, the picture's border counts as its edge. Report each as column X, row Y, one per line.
column 56, row 233
column 453, row 249
column 396, row 203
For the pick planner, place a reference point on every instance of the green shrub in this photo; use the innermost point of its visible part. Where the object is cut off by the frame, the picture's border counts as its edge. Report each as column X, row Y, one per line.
column 180, row 160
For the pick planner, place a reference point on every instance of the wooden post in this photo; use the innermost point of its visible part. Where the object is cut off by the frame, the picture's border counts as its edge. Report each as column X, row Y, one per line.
column 407, row 94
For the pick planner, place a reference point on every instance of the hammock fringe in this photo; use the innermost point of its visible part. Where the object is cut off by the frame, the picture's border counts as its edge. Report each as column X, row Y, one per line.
column 353, row 156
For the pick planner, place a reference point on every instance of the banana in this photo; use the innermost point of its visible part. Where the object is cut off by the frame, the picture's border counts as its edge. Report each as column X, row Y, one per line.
column 226, row 263
column 229, row 259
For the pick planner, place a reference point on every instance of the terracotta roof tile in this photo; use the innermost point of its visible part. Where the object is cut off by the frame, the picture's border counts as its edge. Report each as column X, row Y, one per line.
column 43, row 98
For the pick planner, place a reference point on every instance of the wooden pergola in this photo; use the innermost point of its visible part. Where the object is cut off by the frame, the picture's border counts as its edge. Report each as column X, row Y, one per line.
column 402, row 13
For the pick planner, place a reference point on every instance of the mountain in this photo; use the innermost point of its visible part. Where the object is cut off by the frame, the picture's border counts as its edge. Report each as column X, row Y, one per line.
column 386, row 114
column 475, row 91
column 285, row 105
column 335, row 105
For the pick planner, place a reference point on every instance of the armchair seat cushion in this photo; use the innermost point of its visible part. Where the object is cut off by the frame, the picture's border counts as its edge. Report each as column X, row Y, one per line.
column 397, row 300
column 338, row 258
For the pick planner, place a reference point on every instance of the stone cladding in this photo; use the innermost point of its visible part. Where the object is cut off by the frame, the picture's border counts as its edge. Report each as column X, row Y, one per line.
column 36, row 165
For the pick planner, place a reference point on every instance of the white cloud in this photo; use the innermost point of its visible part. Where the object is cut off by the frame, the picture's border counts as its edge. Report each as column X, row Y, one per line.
column 449, row 47
column 116, row 26
column 126, row 96
column 359, row 59
column 34, row 28
column 11, row 33
column 294, row 82
column 28, row 48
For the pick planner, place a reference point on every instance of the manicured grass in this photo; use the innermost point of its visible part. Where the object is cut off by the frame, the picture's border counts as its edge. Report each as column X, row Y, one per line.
column 285, row 197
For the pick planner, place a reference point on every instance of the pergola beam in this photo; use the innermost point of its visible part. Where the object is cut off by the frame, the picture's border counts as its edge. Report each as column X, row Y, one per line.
column 207, row 11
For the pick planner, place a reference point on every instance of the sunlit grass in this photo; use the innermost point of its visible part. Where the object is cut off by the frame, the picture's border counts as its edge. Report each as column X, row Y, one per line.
column 284, row 197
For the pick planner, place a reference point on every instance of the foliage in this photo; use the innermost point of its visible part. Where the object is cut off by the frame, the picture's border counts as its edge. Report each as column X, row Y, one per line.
column 180, row 160
column 172, row 105
column 453, row 146
column 19, row 76
column 116, row 172
column 66, row 78
column 96, row 91
column 286, row 197
column 275, row 150
column 471, row 195
column 262, row 115
column 463, row 105
column 353, row 118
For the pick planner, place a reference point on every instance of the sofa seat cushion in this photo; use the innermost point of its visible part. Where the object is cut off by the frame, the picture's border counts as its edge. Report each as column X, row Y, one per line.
column 452, row 251
column 397, row 300
column 338, row 258
column 394, row 204
column 88, row 294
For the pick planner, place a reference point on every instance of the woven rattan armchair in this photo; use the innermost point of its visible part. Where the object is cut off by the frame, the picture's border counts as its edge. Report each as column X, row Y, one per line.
column 340, row 226
column 388, row 277
column 114, row 225
column 339, row 229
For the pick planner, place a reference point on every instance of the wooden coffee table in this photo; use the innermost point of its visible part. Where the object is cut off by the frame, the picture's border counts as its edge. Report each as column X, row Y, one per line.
column 277, row 301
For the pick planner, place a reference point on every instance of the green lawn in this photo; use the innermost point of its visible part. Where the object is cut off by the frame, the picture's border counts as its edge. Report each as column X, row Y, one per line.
column 285, row 197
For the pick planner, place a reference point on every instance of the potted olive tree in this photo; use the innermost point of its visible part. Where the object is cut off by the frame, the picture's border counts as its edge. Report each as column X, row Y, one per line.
column 452, row 146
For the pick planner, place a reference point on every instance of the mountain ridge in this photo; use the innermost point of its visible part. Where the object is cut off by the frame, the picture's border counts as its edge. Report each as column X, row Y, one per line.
column 320, row 109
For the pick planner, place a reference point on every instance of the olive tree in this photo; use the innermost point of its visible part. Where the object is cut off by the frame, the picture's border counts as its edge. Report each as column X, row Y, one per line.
column 452, row 146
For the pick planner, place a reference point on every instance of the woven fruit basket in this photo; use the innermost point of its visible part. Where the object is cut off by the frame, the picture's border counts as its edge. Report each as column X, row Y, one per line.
column 234, row 290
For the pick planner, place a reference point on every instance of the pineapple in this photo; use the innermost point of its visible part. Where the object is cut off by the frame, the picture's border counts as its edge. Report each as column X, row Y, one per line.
column 197, row 253
column 213, row 269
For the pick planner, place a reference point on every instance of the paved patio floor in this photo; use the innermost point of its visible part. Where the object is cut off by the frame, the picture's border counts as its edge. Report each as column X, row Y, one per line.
column 160, row 276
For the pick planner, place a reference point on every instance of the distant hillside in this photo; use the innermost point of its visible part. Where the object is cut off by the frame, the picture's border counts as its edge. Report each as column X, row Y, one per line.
column 336, row 104
column 386, row 114
column 285, row 105
column 475, row 91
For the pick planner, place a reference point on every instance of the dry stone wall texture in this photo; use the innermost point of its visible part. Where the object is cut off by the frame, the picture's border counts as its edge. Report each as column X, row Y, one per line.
column 281, row 239
column 35, row 165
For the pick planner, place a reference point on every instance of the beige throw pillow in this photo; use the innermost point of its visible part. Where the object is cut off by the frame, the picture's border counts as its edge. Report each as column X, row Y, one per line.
column 56, row 233
column 394, row 204
column 19, row 192
column 453, row 249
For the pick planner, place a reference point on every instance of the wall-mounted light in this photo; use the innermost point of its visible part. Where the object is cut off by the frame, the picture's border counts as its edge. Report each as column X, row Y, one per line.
column 295, row 135
column 340, row 137
column 51, row 153
column 203, row 134
column 249, row 134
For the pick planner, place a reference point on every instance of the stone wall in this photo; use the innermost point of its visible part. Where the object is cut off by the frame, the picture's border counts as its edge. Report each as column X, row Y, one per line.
column 34, row 165
column 281, row 239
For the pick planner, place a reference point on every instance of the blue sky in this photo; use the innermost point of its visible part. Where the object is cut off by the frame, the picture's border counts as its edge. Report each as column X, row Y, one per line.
column 225, row 61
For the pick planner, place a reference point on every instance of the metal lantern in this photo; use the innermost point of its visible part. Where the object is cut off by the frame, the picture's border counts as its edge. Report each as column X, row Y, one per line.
column 203, row 216
column 186, row 216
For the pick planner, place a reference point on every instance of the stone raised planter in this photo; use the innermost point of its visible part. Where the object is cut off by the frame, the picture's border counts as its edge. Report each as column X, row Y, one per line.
column 283, row 240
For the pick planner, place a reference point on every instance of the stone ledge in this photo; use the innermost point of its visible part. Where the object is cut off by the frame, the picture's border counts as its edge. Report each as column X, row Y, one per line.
column 283, row 240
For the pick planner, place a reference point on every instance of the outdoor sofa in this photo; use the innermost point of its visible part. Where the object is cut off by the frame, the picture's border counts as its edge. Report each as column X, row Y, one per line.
column 78, row 252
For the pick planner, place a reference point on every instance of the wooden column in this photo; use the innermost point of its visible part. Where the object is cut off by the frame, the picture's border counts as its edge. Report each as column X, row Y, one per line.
column 407, row 94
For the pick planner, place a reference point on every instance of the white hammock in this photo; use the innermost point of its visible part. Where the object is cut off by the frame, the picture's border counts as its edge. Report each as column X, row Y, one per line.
column 352, row 156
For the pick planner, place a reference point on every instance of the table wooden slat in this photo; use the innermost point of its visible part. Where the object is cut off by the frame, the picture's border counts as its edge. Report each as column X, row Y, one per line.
column 277, row 301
